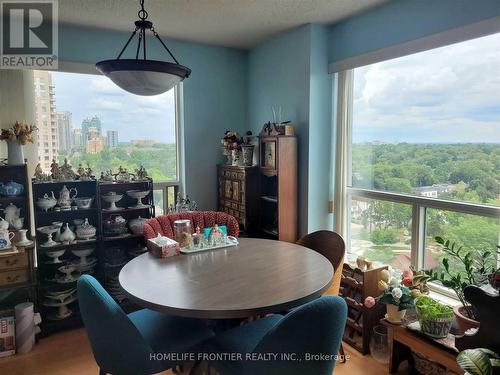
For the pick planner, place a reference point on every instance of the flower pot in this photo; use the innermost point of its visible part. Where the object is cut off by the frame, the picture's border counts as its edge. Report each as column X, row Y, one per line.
column 247, row 151
column 394, row 315
column 464, row 322
column 438, row 327
column 15, row 152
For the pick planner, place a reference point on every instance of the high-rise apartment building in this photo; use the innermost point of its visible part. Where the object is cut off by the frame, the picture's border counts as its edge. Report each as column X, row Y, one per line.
column 95, row 143
column 64, row 129
column 77, row 139
column 112, row 138
column 46, row 119
column 94, row 122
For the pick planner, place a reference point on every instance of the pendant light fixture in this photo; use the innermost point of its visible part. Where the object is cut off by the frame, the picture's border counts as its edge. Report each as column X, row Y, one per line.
column 141, row 76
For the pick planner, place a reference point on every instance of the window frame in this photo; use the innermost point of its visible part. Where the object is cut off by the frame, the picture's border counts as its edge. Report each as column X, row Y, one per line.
column 419, row 204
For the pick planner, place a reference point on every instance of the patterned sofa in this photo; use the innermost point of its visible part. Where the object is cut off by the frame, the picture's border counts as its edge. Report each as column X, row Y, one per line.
column 164, row 224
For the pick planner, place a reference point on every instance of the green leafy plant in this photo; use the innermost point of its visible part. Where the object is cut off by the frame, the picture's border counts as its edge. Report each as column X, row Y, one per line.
column 430, row 309
column 478, row 361
column 434, row 317
column 474, row 270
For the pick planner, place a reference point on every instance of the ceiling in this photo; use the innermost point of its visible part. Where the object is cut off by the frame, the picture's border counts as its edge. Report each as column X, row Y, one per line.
column 231, row 23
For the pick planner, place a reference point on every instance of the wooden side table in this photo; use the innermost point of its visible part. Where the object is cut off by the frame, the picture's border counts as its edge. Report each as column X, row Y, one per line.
column 402, row 342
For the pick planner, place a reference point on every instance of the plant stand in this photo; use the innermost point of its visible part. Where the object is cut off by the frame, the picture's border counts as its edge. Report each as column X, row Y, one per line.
column 402, row 342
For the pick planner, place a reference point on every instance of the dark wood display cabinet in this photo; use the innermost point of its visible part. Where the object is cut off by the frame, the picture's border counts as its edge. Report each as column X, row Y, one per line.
column 102, row 255
column 17, row 266
column 278, row 187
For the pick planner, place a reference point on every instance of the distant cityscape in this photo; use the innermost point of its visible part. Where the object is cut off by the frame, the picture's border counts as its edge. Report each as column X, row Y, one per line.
column 57, row 134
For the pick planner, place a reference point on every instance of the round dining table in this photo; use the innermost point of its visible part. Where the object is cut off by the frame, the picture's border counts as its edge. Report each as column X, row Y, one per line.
column 255, row 277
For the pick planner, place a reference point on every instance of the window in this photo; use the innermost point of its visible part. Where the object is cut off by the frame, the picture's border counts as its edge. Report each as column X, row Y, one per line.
column 424, row 154
column 94, row 122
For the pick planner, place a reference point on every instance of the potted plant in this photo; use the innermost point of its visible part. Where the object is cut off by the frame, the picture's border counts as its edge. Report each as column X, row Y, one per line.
column 18, row 135
column 473, row 269
column 479, row 361
column 434, row 317
column 395, row 296
column 247, row 148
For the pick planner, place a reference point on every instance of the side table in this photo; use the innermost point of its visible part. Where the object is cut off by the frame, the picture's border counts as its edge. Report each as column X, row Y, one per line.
column 402, row 342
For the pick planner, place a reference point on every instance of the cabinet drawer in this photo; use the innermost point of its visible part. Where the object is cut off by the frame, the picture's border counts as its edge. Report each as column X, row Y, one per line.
column 14, row 261
column 13, row 277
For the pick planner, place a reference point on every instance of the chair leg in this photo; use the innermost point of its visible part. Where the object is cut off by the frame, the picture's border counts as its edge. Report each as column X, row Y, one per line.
column 342, row 354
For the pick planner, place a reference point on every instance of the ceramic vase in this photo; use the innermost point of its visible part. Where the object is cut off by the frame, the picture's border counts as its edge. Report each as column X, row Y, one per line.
column 228, row 155
column 15, row 152
column 394, row 315
column 237, row 159
column 247, row 151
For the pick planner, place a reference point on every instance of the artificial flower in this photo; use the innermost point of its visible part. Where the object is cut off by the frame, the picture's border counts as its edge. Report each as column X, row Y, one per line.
column 369, row 302
column 397, row 293
column 394, row 282
column 385, row 275
column 382, row 286
column 407, row 281
column 415, row 293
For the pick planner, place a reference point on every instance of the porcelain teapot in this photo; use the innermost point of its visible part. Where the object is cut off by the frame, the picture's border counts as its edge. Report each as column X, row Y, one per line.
column 4, row 224
column 65, row 197
column 12, row 213
column 5, row 238
column 11, row 189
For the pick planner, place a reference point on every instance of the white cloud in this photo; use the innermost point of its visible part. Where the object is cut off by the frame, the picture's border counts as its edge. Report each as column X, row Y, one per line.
column 449, row 94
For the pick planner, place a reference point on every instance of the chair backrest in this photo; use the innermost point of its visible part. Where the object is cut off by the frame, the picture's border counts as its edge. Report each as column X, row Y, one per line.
column 315, row 328
column 117, row 344
column 332, row 246
column 164, row 224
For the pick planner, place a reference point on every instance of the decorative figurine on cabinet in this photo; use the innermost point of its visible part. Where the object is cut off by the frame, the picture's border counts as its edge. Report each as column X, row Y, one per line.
column 141, row 173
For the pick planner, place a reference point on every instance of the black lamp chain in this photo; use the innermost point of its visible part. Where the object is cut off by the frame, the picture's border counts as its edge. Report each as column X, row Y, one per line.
column 143, row 15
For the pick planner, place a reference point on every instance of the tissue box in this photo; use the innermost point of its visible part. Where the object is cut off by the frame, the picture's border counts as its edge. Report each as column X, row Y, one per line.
column 7, row 337
column 163, row 247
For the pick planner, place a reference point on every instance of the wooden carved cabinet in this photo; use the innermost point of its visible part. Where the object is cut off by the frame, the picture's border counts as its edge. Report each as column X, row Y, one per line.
column 238, row 192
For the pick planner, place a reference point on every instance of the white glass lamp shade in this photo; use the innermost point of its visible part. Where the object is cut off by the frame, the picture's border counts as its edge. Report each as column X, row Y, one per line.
column 143, row 77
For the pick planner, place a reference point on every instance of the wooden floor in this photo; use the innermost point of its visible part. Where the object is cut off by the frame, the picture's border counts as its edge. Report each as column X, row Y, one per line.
column 69, row 353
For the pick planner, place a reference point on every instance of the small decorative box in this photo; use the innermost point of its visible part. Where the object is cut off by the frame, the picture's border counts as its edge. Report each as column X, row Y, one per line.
column 163, row 247
column 7, row 337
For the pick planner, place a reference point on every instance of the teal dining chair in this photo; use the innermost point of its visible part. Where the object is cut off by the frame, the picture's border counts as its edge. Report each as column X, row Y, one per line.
column 304, row 341
column 134, row 344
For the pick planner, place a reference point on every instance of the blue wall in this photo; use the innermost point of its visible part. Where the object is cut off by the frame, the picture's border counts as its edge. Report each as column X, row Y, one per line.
column 320, row 132
column 291, row 70
column 279, row 75
column 214, row 100
column 401, row 21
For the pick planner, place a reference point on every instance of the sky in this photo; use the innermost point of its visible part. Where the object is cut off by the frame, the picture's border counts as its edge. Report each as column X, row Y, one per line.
column 445, row 95
column 133, row 116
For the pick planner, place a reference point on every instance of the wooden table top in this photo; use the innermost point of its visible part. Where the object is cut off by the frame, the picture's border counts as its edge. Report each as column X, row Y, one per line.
column 256, row 277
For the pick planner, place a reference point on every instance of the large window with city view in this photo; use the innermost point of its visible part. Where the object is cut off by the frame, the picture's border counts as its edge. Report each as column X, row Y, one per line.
column 89, row 121
column 425, row 154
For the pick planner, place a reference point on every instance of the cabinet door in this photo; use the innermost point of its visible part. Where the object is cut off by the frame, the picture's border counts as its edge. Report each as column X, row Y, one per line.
column 236, row 190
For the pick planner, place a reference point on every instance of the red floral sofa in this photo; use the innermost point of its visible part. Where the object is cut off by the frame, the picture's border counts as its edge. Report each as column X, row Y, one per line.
column 164, row 224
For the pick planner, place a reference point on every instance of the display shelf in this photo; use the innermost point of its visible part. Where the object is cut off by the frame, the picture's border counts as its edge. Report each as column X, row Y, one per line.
column 14, row 293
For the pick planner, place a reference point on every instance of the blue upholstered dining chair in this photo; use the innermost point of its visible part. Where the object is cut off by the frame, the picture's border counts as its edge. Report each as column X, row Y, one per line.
column 122, row 344
column 315, row 328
